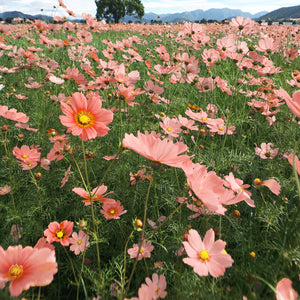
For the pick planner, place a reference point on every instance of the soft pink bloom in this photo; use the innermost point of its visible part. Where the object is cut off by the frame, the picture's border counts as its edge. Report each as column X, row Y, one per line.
column 97, row 194
column 59, row 232
column 66, row 177
column 186, row 123
column 55, row 79
column 42, row 243
column 154, row 289
column 21, row 97
column 5, row 189
column 15, row 232
column 284, row 290
column 266, row 151
column 291, row 158
column 171, row 127
column 268, row 45
column 206, row 186
column 12, row 114
column 26, row 127
column 292, row 102
column 111, row 157
column 272, row 184
column 210, row 56
column 240, row 23
column 85, row 117
column 207, row 256
column 145, row 250
column 79, row 242
column 112, row 210
column 155, row 149
column 236, row 185
column 62, row 4
column 26, row 267
column 28, row 157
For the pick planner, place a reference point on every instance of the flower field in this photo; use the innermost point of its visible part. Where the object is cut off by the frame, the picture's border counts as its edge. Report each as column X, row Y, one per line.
column 149, row 161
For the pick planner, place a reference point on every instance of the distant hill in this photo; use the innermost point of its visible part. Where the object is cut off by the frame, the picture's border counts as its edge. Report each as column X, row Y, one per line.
column 189, row 16
column 292, row 12
column 18, row 14
column 217, row 14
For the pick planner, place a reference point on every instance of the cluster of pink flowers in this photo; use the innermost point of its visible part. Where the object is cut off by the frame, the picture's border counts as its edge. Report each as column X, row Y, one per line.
column 61, row 232
column 111, row 209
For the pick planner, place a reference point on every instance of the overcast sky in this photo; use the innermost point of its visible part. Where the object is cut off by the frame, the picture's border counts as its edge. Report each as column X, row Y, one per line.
column 157, row 6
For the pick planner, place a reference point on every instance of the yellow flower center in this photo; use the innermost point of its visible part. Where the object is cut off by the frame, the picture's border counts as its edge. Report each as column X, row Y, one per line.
column 59, row 234
column 142, row 250
column 257, row 181
column 169, row 129
column 84, row 118
column 79, row 242
column 221, row 128
column 203, row 256
column 25, row 156
column 15, row 271
column 112, row 212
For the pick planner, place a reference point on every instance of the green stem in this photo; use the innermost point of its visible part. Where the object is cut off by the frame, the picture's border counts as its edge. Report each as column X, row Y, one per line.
column 40, row 205
column 8, row 154
column 82, row 179
column 95, row 227
column 125, row 251
column 142, row 238
column 72, row 266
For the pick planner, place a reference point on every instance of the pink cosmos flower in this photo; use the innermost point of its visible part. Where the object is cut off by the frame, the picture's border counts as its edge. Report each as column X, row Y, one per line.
column 98, row 194
column 284, row 290
column 16, row 232
column 26, row 267
column 112, row 210
column 266, row 151
column 290, row 158
column 268, row 45
column 85, row 117
column 171, row 127
column 12, row 114
column 207, row 256
column 55, row 79
column 236, row 185
column 59, row 232
column 79, row 242
column 26, row 127
column 210, row 56
column 154, row 289
column 145, row 250
column 292, row 102
column 240, row 23
column 5, row 189
column 66, row 177
column 42, row 243
column 207, row 186
column 155, row 149
column 28, row 157
column 272, row 184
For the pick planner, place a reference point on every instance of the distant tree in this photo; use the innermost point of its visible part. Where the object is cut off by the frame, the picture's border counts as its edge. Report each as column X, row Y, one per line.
column 8, row 20
column 1, row 19
column 114, row 10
